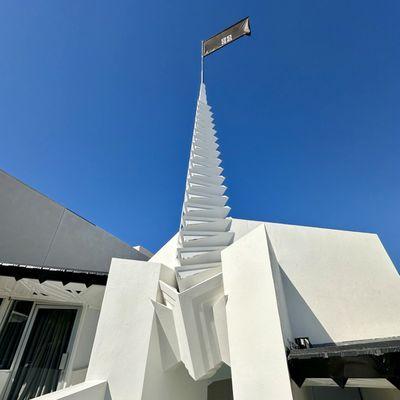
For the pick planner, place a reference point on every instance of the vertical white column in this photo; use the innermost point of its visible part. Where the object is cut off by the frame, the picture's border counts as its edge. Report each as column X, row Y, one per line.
column 257, row 350
column 121, row 345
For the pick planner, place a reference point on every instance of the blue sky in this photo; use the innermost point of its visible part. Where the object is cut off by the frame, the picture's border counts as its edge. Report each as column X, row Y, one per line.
column 97, row 102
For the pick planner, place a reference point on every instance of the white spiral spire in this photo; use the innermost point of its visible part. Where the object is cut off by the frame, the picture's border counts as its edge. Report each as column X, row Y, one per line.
column 204, row 230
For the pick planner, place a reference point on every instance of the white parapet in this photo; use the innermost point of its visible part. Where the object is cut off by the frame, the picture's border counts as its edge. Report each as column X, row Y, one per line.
column 89, row 390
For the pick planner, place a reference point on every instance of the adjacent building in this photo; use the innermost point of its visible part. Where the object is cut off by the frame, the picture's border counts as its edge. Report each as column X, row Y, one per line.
column 53, row 271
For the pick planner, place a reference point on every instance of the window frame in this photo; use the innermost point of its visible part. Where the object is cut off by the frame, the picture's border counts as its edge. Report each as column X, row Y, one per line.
column 6, row 311
column 38, row 304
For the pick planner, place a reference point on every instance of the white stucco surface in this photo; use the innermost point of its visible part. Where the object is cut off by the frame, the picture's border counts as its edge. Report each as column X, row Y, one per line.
column 172, row 384
column 91, row 390
column 257, row 351
column 339, row 285
column 126, row 352
column 167, row 254
column 280, row 282
column 79, row 359
column 122, row 340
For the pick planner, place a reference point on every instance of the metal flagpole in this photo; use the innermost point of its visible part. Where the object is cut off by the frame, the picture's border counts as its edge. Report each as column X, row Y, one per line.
column 202, row 62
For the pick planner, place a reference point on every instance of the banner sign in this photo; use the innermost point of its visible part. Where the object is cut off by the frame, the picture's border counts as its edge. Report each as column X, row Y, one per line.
column 227, row 36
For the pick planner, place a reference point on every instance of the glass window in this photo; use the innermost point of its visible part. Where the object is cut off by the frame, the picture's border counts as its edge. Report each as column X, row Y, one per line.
column 39, row 369
column 11, row 333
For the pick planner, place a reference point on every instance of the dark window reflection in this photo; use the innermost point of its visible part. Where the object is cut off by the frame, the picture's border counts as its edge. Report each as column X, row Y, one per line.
column 11, row 333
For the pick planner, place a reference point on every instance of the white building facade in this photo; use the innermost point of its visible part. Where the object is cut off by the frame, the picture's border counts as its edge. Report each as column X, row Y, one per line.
column 237, row 309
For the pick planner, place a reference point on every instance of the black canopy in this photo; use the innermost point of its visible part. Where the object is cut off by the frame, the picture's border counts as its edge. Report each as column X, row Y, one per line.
column 367, row 359
column 58, row 274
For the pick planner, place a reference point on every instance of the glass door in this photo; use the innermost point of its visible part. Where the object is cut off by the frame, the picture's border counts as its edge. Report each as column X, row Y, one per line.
column 44, row 356
column 12, row 331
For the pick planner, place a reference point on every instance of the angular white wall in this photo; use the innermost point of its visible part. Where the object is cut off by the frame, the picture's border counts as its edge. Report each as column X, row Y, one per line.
column 126, row 352
column 257, row 350
column 339, row 285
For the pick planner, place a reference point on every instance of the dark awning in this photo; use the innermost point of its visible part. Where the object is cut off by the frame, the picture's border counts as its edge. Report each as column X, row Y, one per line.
column 63, row 275
column 371, row 359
